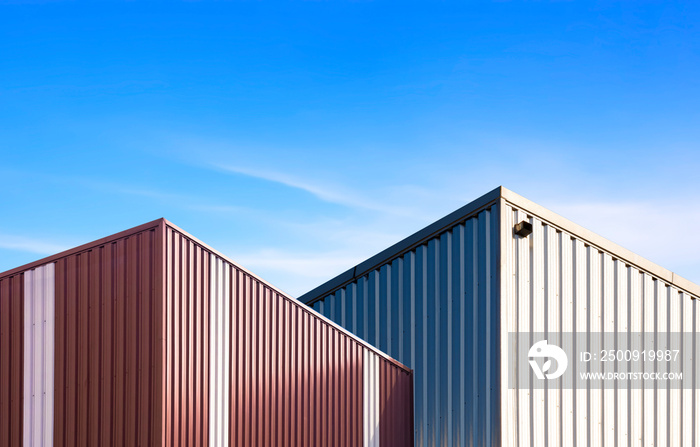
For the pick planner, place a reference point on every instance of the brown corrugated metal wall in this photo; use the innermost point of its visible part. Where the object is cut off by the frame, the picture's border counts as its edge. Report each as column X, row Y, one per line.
column 186, row 372
column 395, row 405
column 106, row 344
column 159, row 340
column 292, row 378
column 11, row 353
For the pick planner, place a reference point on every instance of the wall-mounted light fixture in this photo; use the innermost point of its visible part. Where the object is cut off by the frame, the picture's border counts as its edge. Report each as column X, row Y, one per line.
column 523, row 229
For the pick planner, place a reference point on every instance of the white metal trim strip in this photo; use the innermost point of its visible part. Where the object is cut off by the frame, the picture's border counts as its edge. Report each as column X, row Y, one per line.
column 219, row 344
column 370, row 370
column 39, row 346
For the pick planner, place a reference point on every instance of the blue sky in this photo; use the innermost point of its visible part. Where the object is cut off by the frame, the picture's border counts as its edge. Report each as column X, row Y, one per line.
column 299, row 138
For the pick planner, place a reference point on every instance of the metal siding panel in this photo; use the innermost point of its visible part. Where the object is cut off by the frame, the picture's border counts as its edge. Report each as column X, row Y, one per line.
column 636, row 310
column 396, row 308
column 70, row 353
column 596, row 411
column 674, row 424
column 696, row 371
column 79, row 342
column 552, row 323
column 649, row 402
column 609, row 308
column 509, row 323
column 581, row 321
column 362, row 308
column 539, row 317
column 440, row 300
column 60, row 353
column 115, row 367
column 595, row 325
column 523, row 309
column 431, row 340
column 30, row 346
column 443, row 367
column 622, row 328
column 39, row 286
column 393, row 407
column 76, row 327
column 597, row 293
column 494, row 328
column 92, row 354
column 609, row 300
column 297, row 380
column 11, row 359
column 456, row 284
column 662, row 407
column 687, row 425
column 568, row 325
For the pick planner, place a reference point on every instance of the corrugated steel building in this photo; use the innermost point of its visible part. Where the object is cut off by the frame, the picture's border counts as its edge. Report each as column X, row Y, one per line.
column 444, row 301
column 151, row 338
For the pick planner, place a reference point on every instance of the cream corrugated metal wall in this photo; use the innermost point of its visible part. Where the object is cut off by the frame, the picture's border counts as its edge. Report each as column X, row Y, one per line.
column 553, row 281
column 435, row 309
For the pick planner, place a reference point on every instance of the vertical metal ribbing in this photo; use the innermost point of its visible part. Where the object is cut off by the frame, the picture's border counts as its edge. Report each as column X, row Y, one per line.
column 219, row 356
column 686, row 310
column 635, row 303
column 675, row 425
column 649, row 401
column 595, row 327
column 538, row 319
column 597, row 293
column 371, row 390
column 524, row 313
column 696, row 381
column 566, row 267
column 622, row 329
column 610, row 394
column 39, row 345
column 439, row 300
column 661, row 407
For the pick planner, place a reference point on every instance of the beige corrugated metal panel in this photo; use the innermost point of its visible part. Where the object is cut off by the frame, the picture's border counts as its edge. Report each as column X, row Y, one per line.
column 594, row 239
column 687, row 407
column 555, row 280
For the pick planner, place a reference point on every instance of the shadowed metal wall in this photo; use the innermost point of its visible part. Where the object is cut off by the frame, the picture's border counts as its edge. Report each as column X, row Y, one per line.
column 434, row 307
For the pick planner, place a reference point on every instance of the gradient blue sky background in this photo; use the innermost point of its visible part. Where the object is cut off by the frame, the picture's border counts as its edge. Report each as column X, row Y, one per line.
column 300, row 138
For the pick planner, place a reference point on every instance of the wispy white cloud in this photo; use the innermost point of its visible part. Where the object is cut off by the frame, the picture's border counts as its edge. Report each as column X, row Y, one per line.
column 331, row 193
column 322, row 192
column 30, row 245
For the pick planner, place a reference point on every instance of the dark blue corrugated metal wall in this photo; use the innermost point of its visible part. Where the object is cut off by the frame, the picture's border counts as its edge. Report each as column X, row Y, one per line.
column 435, row 308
